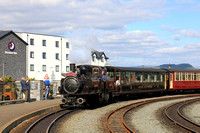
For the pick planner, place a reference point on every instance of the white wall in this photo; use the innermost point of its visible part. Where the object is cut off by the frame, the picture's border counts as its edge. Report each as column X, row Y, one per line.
column 98, row 62
column 50, row 60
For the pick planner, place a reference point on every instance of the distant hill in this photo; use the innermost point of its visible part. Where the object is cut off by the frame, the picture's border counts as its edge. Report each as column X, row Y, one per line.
column 178, row 66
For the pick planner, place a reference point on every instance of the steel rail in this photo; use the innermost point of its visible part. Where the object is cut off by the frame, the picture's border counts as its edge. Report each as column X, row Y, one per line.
column 56, row 119
column 175, row 122
column 40, row 119
column 134, row 105
column 184, row 117
column 62, row 111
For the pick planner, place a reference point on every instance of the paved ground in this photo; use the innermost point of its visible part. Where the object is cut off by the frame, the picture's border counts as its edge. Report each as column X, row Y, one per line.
column 12, row 112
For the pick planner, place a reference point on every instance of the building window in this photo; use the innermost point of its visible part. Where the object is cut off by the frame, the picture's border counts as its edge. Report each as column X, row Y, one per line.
column 57, row 68
column 44, row 55
column 57, row 44
column 31, row 67
column 67, row 44
column 102, row 60
column 67, row 68
column 43, row 42
column 31, row 54
column 57, row 56
column 67, row 56
column 93, row 57
column 44, row 68
column 31, row 41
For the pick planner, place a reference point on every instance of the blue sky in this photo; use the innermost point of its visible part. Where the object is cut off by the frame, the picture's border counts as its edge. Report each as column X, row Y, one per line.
column 130, row 32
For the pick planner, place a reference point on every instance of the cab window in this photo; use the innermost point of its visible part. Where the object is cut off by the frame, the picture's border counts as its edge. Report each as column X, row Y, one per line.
column 95, row 72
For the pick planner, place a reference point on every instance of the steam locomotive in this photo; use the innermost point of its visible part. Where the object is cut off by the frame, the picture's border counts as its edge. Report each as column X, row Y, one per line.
column 84, row 86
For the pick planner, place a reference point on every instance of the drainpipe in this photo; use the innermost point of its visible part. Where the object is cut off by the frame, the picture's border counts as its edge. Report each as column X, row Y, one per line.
column 27, row 63
column 61, row 57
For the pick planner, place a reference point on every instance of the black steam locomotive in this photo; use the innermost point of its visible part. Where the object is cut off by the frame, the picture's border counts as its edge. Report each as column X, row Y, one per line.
column 84, row 85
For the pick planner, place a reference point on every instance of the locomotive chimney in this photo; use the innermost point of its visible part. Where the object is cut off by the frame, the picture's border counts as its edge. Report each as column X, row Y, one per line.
column 72, row 67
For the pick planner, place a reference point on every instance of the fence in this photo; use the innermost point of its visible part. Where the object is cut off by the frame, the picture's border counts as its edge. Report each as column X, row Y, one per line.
column 36, row 90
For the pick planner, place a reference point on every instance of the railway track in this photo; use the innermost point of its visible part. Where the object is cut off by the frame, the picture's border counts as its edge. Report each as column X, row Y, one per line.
column 115, row 121
column 175, row 115
column 45, row 123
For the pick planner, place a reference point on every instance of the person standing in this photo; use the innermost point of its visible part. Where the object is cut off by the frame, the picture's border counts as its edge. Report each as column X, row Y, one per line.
column 104, row 79
column 47, row 84
column 25, row 88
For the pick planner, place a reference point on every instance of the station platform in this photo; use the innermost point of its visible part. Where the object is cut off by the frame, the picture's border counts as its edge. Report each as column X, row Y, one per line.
column 14, row 112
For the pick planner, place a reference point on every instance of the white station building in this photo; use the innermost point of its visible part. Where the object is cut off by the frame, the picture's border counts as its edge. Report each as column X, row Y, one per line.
column 46, row 55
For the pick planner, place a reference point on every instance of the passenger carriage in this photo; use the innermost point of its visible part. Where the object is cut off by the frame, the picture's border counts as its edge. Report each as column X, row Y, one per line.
column 184, row 79
column 137, row 80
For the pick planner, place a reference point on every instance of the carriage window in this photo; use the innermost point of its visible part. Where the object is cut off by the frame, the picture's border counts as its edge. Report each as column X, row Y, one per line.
column 123, row 81
column 118, row 77
column 158, row 77
column 195, row 76
column 127, row 78
column 138, row 77
column 198, row 76
column 177, row 76
column 132, row 76
column 145, row 77
column 152, row 77
column 110, row 75
column 183, row 76
column 189, row 77
column 192, row 76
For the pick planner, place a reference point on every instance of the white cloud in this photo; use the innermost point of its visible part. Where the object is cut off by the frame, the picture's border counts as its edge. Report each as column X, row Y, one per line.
column 77, row 14
column 190, row 33
column 169, row 28
column 100, row 25
column 176, row 37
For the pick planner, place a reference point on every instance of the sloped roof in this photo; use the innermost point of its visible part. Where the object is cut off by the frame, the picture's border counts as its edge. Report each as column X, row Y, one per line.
column 99, row 54
column 3, row 34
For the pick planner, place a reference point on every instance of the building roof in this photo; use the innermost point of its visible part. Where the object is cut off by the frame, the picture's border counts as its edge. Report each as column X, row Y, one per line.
column 3, row 34
column 99, row 54
column 134, row 69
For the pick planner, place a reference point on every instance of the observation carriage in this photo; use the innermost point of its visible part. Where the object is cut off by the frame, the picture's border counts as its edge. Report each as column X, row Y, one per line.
column 84, row 86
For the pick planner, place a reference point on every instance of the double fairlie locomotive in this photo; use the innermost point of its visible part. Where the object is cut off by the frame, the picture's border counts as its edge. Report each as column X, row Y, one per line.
column 84, row 84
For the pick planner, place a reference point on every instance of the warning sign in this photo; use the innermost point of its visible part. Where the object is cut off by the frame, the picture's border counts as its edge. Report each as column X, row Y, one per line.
column 46, row 76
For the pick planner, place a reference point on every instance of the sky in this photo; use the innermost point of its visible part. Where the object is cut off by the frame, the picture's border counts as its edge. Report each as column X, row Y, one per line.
column 130, row 32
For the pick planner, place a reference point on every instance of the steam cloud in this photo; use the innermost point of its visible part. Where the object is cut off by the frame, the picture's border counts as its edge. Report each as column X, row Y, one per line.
column 82, row 44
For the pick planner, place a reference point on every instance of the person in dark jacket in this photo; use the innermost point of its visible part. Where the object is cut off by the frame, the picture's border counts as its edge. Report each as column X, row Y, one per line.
column 25, row 88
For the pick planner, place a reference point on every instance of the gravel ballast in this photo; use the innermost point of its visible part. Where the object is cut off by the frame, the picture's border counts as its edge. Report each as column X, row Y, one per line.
column 192, row 112
column 90, row 121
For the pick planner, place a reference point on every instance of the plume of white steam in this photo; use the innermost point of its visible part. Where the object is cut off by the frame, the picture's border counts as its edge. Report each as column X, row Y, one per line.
column 82, row 44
